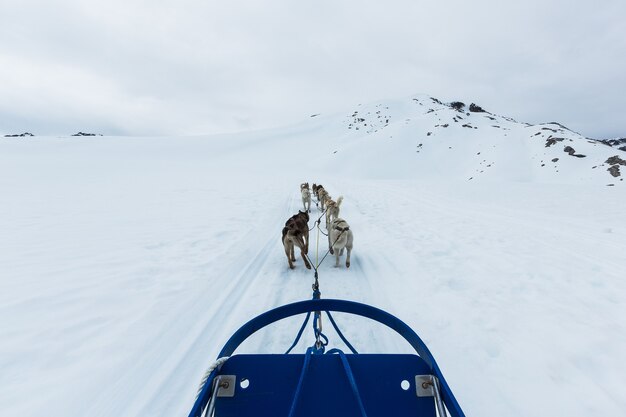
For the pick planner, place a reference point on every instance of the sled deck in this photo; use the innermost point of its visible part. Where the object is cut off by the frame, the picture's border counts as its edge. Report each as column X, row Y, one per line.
column 328, row 384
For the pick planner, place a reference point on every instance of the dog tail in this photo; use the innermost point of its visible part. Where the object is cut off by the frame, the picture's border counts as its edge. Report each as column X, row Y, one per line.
column 339, row 200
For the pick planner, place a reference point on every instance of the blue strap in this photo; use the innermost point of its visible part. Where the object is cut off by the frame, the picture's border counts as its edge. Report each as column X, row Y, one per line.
column 351, row 380
column 295, row 342
column 319, row 334
column 332, row 321
column 305, row 367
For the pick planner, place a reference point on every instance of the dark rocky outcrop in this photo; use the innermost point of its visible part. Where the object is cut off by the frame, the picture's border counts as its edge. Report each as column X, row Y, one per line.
column 572, row 152
column 614, row 171
column 551, row 141
column 457, row 105
column 476, row 108
column 19, row 135
column 615, row 161
column 614, row 143
column 84, row 134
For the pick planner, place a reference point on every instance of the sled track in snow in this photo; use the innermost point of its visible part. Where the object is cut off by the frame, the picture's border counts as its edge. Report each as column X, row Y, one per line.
column 211, row 323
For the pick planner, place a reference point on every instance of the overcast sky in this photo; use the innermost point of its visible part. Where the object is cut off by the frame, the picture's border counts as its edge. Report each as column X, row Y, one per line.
column 145, row 67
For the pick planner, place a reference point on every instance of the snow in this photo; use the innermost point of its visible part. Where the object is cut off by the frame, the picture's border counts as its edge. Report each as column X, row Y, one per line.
column 126, row 263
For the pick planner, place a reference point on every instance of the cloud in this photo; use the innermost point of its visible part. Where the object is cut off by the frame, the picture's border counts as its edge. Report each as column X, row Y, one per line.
column 191, row 67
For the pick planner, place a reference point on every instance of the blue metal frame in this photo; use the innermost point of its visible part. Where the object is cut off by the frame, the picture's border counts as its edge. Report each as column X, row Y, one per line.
column 326, row 305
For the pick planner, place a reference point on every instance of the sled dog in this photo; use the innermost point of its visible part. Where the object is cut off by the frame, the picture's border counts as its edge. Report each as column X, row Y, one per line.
column 316, row 191
column 339, row 237
column 296, row 233
column 322, row 195
column 315, row 188
column 306, row 199
column 332, row 209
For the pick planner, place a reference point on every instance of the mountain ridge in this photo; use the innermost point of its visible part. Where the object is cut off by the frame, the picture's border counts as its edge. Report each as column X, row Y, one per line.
column 432, row 127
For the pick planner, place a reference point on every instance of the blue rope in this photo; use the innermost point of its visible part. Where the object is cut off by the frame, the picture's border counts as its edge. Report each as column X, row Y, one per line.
column 319, row 334
column 305, row 367
column 332, row 321
column 351, row 379
column 295, row 342
column 316, row 296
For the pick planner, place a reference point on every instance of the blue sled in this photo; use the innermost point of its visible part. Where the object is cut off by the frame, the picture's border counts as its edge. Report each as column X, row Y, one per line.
column 318, row 384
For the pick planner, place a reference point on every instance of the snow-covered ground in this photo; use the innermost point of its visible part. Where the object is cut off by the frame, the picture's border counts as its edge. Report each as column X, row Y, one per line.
column 125, row 263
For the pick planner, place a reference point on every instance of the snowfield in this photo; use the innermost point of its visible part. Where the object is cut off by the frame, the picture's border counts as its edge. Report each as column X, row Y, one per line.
column 126, row 263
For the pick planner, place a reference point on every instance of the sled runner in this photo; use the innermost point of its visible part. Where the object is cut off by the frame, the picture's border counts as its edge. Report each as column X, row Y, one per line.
column 325, row 383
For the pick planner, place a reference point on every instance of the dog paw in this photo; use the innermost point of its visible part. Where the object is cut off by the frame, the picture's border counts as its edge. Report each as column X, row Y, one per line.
column 347, row 264
column 292, row 267
column 308, row 267
column 332, row 252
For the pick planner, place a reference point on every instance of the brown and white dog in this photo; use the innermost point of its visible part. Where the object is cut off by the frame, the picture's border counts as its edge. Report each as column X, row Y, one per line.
column 339, row 237
column 332, row 209
column 296, row 233
column 316, row 190
column 322, row 195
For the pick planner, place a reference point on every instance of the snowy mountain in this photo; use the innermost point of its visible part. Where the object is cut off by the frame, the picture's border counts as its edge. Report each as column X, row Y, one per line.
column 427, row 138
column 126, row 262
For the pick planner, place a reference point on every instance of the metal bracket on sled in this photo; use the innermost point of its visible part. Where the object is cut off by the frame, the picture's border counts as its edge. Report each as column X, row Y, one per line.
column 226, row 386
column 428, row 386
column 424, row 386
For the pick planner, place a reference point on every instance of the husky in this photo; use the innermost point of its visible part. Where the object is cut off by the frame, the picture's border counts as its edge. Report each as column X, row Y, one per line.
column 332, row 209
column 300, row 222
column 339, row 237
column 316, row 191
column 291, row 239
column 314, row 188
column 304, row 185
column 322, row 195
column 306, row 199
